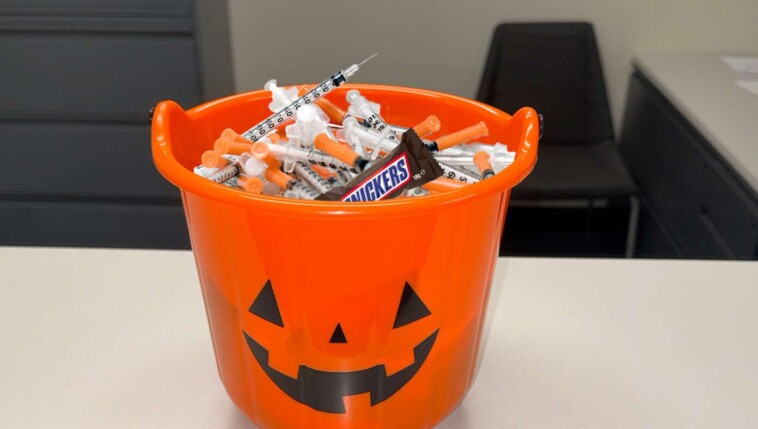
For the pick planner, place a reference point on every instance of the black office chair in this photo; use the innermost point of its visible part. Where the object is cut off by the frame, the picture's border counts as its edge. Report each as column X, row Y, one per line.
column 555, row 68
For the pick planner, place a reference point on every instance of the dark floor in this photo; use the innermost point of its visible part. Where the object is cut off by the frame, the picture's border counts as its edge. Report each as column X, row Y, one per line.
column 599, row 232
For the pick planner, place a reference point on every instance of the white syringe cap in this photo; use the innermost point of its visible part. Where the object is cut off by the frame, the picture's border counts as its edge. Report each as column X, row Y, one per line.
column 354, row 96
column 252, row 165
column 350, row 122
column 270, row 85
column 307, row 114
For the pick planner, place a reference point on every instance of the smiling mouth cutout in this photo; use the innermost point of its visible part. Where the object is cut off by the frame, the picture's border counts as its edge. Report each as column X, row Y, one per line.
column 324, row 390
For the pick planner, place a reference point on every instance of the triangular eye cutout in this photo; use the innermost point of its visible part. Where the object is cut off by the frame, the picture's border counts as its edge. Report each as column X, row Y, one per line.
column 338, row 337
column 411, row 308
column 265, row 306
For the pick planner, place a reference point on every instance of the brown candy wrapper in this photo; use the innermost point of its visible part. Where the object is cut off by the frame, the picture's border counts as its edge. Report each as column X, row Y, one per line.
column 409, row 165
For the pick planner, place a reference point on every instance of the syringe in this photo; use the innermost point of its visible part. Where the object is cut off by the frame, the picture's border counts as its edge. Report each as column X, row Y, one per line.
column 336, row 114
column 286, row 182
column 361, row 106
column 278, row 118
column 226, row 173
column 283, row 152
column 459, row 173
column 378, row 142
column 469, row 159
column 306, row 173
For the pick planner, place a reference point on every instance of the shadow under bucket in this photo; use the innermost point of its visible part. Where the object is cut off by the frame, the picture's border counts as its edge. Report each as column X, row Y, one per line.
column 344, row 315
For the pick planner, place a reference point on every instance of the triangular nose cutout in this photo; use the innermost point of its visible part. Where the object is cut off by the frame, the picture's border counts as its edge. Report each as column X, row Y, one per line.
column 338, row 337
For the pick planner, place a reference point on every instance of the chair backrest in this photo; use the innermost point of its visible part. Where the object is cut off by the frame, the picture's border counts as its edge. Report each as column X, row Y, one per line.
column 554, row 68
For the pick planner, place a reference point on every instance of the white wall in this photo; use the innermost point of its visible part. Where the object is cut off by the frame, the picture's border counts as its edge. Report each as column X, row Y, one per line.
column 442, row 44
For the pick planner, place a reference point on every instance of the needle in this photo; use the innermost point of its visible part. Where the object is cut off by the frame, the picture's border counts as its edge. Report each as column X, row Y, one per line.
column 367, row 59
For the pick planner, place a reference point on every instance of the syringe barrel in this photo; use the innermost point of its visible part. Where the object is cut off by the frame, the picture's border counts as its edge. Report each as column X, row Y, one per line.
column 372, row 120
column 374, row 138
column 303, row 191
column 279, row 118
column 457, row 174
column 468, row 159
column 308, row 156
column 225, row 173
column 306, row 173
column 397, row 129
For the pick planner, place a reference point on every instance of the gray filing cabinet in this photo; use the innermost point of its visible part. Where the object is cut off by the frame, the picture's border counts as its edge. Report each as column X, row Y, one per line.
column 78, row 80
column 696, row 205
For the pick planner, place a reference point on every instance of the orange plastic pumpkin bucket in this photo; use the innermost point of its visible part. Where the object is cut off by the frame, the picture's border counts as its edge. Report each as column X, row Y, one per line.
column 344, row 315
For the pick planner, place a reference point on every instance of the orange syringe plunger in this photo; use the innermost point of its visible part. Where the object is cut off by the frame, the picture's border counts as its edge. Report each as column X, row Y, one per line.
column 462, row 136
column 281, row 132
column 335, row 113
column 212, row 159
column 482, row 162
column 322, row 171
column 443, row 184
column 326, row 174
column 342, row 152
column 227, row 146
column 274, row 138
column 230, row 134
column 278, row 177
column 260, row 151
column 429, row 125
column 254, row 185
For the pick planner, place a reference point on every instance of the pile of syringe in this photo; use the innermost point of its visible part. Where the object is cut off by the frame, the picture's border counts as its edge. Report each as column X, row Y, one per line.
column 310, row 148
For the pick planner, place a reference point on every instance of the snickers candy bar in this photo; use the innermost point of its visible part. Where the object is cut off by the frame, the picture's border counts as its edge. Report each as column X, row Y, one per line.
column 410, row 164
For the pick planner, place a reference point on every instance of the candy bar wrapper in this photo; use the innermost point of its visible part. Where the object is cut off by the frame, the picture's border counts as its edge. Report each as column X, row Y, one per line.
column 410, row 164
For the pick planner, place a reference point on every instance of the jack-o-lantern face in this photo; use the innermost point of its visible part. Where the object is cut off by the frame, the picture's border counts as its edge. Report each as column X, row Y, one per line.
column 324, row 390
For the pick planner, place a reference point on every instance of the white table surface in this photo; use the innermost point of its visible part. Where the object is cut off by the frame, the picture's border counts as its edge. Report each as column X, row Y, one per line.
column 702, row 87
column 118, row 339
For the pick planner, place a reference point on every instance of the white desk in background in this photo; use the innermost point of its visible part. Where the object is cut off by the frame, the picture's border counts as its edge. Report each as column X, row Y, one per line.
column 118, row 339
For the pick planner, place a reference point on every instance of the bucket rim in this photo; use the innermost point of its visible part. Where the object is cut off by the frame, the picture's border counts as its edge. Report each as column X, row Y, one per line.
column 188, row 182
